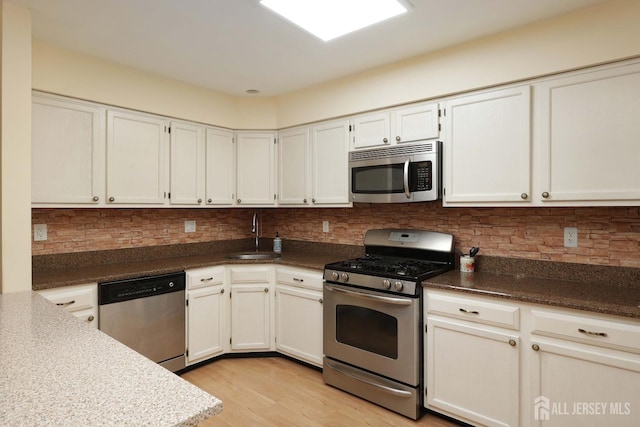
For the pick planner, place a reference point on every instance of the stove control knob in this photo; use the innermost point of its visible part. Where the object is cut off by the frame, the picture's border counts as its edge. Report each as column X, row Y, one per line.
column 345, row 277
column 335, row 276
column 399, row 286
column 386, row 284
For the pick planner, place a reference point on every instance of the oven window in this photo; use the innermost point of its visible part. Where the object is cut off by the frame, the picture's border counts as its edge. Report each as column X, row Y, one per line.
column 367, row 329
column 381, row 179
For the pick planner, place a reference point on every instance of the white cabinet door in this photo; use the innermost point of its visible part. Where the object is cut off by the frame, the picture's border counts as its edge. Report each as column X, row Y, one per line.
column 330, row 163
column 293, row 161
column 256, row 168
column 206, row 323
column 299, row 323
column 371, row 130
column 220, row 167
column 487, row 147
column 67, row 151
column 187, row 164
column 250, row 317
column 79, row 300
column 415, row 123
column 472, row 372
column 588, row 131
column 136, row 158
column 570, row 379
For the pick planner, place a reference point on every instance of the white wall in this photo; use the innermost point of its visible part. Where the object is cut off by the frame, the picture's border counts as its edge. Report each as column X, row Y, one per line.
column 15, row 148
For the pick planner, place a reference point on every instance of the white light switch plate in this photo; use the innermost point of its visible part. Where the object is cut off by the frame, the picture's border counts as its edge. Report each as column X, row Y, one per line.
column 39, row 232
column 189, row 226
column 325, row 226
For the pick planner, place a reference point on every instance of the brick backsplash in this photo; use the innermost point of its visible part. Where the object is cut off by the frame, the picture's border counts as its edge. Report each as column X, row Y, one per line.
column 606, row 235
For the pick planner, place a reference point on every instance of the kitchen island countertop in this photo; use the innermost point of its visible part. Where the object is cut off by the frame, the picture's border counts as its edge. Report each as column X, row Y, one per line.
column 57, row 371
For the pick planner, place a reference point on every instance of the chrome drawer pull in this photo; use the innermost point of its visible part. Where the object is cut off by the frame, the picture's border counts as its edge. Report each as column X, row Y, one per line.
column 469, row 311
column 295, row 279
column 597, row 334
column 63, row 304
column 208, row 279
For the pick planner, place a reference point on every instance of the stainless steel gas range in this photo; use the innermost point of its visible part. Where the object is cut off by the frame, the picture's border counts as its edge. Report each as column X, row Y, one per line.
column 373, row 316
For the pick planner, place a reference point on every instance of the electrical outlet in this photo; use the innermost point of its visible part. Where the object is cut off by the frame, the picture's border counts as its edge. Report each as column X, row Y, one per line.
column 570, row 237
column 189, row 226
column 39, row 232
column 325, row 226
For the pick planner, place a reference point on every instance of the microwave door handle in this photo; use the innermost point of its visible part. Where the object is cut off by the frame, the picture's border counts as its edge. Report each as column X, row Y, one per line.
column 406, row 179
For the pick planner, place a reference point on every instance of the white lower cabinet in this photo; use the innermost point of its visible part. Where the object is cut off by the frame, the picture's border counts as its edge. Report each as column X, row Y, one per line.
column 207, row 314
column 584, row 371
column 299, row 314
column 496, row 364
column 79, row 300
column 251, row 308
column 471, row 368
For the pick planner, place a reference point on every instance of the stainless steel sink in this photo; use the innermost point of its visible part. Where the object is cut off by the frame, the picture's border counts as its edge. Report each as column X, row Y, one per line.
column 255, row 255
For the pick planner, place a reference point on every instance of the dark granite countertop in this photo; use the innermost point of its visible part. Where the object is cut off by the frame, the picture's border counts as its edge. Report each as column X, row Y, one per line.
column 599, row 289
column 53, row 271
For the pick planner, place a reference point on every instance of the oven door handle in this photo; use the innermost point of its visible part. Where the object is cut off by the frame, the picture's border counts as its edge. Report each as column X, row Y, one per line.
column 375, row 298
column 406, row 179
column 389, row 390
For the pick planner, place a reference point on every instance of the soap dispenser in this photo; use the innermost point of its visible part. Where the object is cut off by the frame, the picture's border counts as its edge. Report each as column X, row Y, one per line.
column 277, row 244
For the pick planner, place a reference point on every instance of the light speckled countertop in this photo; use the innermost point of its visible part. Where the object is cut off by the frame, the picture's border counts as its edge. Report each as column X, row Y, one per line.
column 57, row 371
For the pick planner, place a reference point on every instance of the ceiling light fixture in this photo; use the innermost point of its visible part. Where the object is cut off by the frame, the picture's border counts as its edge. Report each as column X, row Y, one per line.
column 328, row 19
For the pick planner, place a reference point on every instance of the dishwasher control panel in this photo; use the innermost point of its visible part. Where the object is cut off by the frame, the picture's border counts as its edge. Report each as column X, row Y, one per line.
column 140, row 287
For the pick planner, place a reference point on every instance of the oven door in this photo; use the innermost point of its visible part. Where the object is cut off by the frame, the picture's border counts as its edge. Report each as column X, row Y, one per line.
column 373, row 331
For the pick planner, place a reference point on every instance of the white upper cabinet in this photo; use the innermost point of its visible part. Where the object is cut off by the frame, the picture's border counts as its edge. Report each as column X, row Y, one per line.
column 256, row 168
column 187, row 164
column 220, row 167
column 487, row 147
column 406, row 124
column 330, row 163
column 416, row 123
column 136, row 158
column 371, row 130
column 587, row 130
column 68, row 151
column 293, row 158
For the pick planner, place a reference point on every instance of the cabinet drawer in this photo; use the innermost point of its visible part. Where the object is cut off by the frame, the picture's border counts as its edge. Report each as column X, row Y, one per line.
column 474, row 310
column 250, row 274
column 586, row 329
column 299, row 278
column 203, row 277
column 73, row 298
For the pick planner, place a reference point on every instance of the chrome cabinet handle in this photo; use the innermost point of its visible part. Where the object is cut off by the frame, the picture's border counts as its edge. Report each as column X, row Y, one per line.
column 320, row 300
column 239, row 200
column 112, row 199
column 304, row 201
column 266, row 290
column 96, row 198
column 205, row 280
column 313, row 200
column 64, row 304
column 295, row 279
column 222, row 291
column 535, row 347
column 209, row 200
column 385, row 140
column 469, row 311
column 596, row 334
column 398, row 138
column 524, row 196
column 512, row 342
column 90, row 318
column 545, row 194
column 199, row 200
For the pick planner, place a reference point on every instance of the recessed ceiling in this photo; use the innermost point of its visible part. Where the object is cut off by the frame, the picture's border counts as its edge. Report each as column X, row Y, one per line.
column 235, row 45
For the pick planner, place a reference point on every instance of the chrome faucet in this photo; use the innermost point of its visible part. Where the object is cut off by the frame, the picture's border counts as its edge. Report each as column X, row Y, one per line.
column 255, row 228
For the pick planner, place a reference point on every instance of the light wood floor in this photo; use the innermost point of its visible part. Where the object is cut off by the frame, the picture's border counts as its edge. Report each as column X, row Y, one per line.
column 275, row 391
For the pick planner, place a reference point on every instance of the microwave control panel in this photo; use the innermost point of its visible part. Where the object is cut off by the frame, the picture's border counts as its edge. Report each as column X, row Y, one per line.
column 421, row 176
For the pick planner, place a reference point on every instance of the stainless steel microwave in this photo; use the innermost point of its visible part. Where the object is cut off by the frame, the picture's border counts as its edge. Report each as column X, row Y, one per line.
column 398, row 174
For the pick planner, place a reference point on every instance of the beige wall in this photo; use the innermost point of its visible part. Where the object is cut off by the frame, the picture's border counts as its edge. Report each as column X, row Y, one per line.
column 15, row 148
column 599, row 34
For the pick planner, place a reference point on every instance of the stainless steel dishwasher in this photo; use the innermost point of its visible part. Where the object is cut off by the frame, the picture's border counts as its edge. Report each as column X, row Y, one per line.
column 148, row 315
